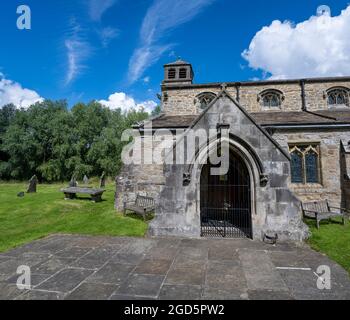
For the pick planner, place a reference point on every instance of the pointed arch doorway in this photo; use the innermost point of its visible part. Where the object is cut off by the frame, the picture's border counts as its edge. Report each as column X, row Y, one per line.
column 226, row 201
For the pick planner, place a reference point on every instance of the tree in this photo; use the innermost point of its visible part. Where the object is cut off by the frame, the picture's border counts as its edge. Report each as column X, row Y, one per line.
column 157, row 111
column 54, row 143
column 7, row 113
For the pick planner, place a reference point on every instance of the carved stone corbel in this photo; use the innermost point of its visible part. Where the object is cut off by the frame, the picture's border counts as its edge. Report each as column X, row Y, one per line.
column 264, row 179
column 186, row 179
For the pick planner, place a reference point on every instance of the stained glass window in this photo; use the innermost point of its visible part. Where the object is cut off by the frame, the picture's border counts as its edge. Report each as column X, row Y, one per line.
column 297, row 167
column 305, row 163
column 311, row 167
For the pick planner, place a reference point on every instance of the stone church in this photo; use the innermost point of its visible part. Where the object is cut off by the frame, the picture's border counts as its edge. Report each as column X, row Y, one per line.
column 288, row 141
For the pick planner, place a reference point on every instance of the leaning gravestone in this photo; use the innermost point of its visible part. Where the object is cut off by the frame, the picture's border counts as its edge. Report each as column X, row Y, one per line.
column 73, row 183
column 86, row 180
column 32, row 185
column 103, row 180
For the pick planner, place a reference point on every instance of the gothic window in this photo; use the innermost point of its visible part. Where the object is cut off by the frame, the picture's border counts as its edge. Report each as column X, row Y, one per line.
column 204, row 99
column 297, row 167
column 171, row 74
column 183, row 73
column 271, row 98
column 305, row 163
column 338, row 97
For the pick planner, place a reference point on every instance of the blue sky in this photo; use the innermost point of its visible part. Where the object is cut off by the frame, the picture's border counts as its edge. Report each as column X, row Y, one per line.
column 82, row 50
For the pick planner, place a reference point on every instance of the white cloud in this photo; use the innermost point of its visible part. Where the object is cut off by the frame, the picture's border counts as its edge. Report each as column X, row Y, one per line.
column 108, row 34
column 78, row 49
column 123, row 101
column 12, row 92
column 161, row 18
column 147, row 79
column 319, row 46
column 98, row 7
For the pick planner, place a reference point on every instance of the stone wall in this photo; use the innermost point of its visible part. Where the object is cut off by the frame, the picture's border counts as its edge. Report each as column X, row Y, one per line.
column 177, row 101
column 331, row 163
column 140, row 178
column 274, row 207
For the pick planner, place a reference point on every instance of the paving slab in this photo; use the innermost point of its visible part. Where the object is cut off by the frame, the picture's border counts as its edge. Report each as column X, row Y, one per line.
column 153, row 266
column 65, row 281
column 41, row 295
column 52, row 265
column 142, row 285
column 180, row 292
column 221, row 294
column 260, row 272
column 111, row 273
column 9, row 291
column 125, row 258
column 73, row 252
column 122, row 268
column 191, row 276
column 92, row 291
column 269, row 295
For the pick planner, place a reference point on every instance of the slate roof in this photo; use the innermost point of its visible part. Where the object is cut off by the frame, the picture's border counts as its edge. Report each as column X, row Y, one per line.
column 302, row 118
column 178, row 62
column 264, row 119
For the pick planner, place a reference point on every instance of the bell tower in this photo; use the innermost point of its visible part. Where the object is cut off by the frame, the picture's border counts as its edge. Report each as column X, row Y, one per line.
column 177, row 73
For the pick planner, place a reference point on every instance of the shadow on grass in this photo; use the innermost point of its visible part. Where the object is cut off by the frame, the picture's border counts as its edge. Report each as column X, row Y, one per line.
column 132, row 215
column 312, row 223
column 87, row 199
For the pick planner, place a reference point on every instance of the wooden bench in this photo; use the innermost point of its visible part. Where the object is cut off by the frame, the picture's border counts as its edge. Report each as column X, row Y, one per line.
column 321, row 210
column 71, row 193
column 141, row 206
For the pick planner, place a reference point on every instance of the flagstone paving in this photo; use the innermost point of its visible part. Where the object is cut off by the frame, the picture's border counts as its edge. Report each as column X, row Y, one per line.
column 82, row 267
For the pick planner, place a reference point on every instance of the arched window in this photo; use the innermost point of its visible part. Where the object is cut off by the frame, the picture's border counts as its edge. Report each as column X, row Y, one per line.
column 311, row 166
column 305, row 163
column 171, row 74
column 183, row 73
column 271, row 98
column 204, row 99
column 297, row 166
column 338, row 97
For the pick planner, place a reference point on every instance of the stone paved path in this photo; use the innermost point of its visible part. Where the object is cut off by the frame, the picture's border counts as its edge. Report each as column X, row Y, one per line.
column 81, row 267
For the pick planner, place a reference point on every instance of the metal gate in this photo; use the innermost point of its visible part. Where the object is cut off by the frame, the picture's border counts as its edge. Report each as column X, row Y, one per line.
column 226, row 202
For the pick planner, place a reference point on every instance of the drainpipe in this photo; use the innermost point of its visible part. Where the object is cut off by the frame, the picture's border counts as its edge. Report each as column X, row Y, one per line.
column 303, row 97
column 238, row 91
column 304, row 105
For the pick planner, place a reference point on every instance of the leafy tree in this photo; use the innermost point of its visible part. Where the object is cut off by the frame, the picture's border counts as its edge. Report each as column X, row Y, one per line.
column 7, row 113
column 54, row 143
column 157, row 111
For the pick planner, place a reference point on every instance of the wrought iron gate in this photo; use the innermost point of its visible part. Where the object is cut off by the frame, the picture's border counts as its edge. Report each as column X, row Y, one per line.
column 226, row 202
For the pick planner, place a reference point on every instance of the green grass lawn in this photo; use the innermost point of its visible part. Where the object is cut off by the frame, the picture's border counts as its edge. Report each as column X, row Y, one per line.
column 333, row 239
column 37, row 215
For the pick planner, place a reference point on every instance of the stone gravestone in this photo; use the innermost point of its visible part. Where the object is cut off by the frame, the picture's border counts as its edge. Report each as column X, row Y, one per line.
column 86, row 180
column 103, row 180
column 73, row 183
column 32, row 185
column 20, row 195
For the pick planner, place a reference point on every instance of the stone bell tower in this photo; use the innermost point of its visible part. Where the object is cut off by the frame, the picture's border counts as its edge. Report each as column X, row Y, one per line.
column 177, row 73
